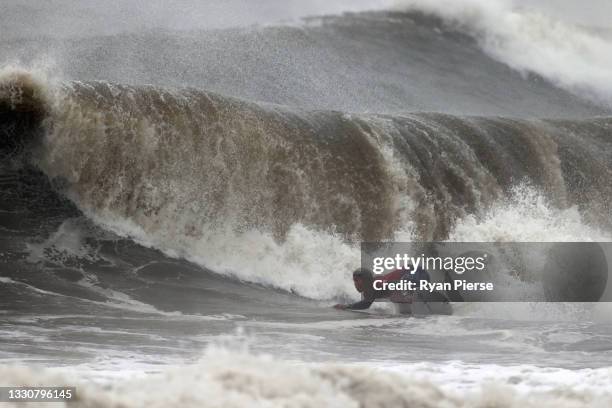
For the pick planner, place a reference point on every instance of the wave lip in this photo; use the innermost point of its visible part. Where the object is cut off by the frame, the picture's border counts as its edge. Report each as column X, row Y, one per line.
column 23, row 107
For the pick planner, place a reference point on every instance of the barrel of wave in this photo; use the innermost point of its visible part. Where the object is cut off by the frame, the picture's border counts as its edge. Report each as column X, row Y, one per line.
column 24, row 104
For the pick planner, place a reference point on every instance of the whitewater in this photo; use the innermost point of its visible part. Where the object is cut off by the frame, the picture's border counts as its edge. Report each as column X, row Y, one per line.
column 182, row 203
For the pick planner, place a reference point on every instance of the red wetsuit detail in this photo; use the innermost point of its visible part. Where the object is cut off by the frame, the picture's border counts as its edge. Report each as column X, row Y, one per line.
column 392, row 276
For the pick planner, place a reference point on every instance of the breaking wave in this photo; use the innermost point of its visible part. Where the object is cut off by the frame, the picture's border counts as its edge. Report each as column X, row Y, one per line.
column 570, row 56
column 279, row 196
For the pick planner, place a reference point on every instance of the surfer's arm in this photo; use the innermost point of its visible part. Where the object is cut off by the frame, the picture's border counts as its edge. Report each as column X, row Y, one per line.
column 363, row 304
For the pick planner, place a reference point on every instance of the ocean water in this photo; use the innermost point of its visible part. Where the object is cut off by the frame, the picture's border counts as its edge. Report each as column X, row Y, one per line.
column 183, row 193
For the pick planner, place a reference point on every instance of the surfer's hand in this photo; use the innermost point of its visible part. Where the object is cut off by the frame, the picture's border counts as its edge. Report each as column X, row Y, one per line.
column 340, row 306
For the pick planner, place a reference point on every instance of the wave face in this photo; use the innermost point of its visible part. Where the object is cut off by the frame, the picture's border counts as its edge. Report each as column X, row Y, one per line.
column 201, row 175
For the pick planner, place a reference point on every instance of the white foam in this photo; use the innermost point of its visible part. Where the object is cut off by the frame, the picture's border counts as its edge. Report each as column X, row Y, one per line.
column 310, row 263
column 458, row 376
column 64, row 244
column 526, row 217
column 238, row 379
column 318, row 264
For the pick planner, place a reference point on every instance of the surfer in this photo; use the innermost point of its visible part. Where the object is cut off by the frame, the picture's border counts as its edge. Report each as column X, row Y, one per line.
column 366, row 284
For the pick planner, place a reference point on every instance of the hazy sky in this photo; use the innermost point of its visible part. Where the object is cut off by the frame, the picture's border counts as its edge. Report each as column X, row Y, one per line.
column 74, row 18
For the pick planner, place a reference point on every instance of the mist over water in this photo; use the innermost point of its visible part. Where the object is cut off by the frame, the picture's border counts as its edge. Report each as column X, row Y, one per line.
column 529, row 40
column 182, row 172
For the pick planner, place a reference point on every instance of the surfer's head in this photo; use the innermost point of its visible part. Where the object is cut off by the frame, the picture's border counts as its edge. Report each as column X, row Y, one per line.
column 362, row 278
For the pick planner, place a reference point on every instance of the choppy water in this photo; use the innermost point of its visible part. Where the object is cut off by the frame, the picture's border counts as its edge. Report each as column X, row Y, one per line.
column 221, row 205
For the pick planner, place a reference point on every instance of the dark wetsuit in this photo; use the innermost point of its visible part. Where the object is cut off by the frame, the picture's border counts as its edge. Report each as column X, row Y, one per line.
column 370, row 294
